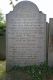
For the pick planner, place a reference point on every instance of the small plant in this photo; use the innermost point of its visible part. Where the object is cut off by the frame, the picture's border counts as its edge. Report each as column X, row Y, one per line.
column 37, row 72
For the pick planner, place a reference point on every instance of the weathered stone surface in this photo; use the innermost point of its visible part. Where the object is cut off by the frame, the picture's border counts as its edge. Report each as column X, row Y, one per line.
column 26, row 35
column 50, row 50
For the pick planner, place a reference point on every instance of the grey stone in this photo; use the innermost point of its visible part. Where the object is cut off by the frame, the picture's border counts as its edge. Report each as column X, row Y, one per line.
column 50, row 50
column 25, row 35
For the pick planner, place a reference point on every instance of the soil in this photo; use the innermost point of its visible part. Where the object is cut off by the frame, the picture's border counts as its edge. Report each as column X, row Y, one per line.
column 21, row 75
column 50, row 78
column 18, row 75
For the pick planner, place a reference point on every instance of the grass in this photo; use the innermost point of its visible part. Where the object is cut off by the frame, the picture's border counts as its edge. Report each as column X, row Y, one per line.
column 2, row 69
column 41, row 72
column 33, row 72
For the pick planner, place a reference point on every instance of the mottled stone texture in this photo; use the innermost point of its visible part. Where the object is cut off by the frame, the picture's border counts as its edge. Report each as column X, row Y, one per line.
column 26, row 35
column 50, row 50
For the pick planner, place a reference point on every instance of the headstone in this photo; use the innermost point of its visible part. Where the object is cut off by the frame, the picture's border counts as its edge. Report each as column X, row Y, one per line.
column 50, row 50
column 25, row 35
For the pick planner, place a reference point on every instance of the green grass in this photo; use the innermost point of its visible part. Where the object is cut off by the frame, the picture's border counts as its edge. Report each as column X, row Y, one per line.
column 2, row 69
column 36, row 72
column 33, row 72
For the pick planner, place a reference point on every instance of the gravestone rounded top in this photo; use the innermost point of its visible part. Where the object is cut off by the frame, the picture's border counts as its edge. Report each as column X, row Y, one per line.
column 26, row 35
column 27, row 5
